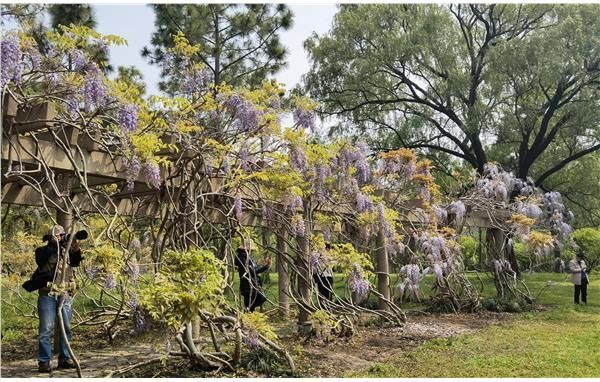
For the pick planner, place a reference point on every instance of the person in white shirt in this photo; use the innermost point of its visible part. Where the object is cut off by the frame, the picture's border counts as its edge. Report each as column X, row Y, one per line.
column 578, row 269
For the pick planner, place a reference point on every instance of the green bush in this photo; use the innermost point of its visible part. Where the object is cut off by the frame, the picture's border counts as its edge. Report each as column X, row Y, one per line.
column 588, row 239
column 468, row 247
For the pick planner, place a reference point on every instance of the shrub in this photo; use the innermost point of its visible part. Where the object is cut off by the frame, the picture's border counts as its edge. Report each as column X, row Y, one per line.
column 588, row 239
column 468, row 247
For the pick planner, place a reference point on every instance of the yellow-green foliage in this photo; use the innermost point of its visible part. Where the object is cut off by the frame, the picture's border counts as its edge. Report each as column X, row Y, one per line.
column 182, row 46
column 322, row 221
column 187, row 283
column 322, row 322
column 537, row 240
column 109, row 259
column 588, row 239
column 18, row 253
column 346, row 256
column 147, row 145
column 258, row 322
column 79, row 36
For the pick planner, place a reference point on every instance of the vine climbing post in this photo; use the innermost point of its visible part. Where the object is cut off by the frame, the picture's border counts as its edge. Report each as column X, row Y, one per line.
column 303, row 281
column 283, row 275
column 383, row 272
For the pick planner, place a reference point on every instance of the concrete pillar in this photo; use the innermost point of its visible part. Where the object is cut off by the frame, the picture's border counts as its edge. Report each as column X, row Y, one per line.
column 383, row 271
column 64, row 219
column 283, row 275
column 304, row 278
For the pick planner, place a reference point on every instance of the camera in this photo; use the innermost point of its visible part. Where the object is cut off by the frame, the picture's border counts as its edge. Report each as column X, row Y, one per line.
column 79, row 235
column 64, row 238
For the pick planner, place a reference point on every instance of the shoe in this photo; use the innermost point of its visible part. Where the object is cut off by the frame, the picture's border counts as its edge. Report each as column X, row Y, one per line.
column 44, row 367
column 66, row 364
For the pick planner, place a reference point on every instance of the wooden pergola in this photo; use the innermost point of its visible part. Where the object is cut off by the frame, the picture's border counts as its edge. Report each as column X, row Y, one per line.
column 32, row 134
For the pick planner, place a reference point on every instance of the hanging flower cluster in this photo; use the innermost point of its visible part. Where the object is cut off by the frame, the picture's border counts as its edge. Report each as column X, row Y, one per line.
column 411, row 278
column 358, row 283
column 10, row 64
column 495, row 184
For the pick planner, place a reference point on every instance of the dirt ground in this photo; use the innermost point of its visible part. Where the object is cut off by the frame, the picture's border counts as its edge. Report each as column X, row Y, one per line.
column 372, row 345
column 317, row 359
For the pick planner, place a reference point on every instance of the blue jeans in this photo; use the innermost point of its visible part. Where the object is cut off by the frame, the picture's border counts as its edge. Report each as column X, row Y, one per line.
column 47, row 310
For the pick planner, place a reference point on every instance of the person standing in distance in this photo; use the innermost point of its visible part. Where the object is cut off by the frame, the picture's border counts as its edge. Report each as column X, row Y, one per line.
column 578, row 269
column 250, row 283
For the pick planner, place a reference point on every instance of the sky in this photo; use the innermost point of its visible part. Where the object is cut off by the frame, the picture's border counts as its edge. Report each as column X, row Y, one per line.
column 135, row 23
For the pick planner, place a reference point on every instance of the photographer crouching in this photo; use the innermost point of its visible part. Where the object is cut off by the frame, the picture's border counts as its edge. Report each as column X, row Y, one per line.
column 48, row 259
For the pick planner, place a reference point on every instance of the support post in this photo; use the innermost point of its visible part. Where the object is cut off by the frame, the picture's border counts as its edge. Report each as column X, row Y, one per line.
column 283, row 275
column 383, row 272
column 304, row 325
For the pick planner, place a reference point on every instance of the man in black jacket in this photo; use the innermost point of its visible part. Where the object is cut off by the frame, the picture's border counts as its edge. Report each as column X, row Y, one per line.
column 250, row 284
column 48, row 259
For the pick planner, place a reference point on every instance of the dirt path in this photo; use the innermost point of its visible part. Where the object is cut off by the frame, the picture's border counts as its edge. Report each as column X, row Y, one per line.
column 368, row 346
column 94, row 363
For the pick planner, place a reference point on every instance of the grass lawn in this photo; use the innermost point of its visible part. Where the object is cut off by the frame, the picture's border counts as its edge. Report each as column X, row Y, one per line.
column 562, row 341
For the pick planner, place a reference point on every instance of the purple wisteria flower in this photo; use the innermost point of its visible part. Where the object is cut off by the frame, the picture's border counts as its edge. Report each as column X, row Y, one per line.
column 244, row 158
column 94, row 92
column 251, row 340
column 109, row 281
column 133, row 270
column 440, row 213
column 362, row 202
column 298, row 226
column 53, row 79
column 305, row 118
column 458, row 209
column 36, row 59
column 141, row 321
column 314, row 262
column 102, row 47
column 293, row 203
column 79, row 61
column 246, row 114
column 133, row 171
column 196, row 81
column 10, row 60
column 297, row 158
column 362, row 171
column 358, row 284
column 127, row 116
column 237, row 206
column 91, row 272
column 322, row 172
column 153, row 174
column 267, row 211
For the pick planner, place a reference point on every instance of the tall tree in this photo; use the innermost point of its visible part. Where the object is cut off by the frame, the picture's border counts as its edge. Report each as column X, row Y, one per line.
column 477, row 82
column 82, row 15
column 67, row 14
column 240, row 43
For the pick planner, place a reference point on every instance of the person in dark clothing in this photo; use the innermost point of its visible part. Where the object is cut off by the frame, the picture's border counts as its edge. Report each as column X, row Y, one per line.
column 324, row 276
column 48, row 258
column 250, row 283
